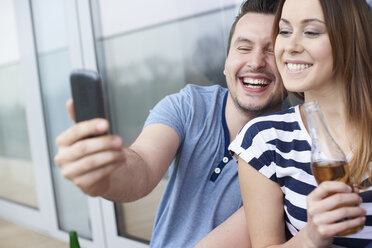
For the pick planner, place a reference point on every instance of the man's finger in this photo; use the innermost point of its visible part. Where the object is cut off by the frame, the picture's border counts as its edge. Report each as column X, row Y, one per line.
column 70, row 109
column 82, row 130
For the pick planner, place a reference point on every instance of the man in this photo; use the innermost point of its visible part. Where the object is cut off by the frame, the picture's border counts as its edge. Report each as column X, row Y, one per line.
column 203, row 189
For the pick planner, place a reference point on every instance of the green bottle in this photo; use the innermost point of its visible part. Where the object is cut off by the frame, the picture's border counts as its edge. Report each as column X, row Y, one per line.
column 74, row 242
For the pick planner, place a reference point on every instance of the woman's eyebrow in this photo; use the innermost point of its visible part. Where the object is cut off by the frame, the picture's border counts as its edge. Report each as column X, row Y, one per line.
column 303, row 21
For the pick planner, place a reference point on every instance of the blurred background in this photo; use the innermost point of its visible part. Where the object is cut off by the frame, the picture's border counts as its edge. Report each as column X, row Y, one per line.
column 144, row 50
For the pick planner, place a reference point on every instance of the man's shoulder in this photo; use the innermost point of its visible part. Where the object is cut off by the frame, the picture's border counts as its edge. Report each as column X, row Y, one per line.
column 198, row 95
column 202, row 90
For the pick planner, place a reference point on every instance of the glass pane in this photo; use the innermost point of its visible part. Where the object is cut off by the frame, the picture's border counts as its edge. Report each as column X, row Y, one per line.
column 17, row 181
column 145, row 55
column 54, row 68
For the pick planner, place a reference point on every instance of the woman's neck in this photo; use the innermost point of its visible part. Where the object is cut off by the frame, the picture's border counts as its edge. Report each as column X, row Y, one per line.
column 333, row 108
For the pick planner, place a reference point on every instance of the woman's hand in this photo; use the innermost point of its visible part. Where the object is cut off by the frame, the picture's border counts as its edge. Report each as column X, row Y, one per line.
column 333, row 207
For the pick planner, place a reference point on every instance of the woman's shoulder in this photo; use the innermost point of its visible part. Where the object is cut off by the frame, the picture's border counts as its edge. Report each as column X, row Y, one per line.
column 257, row 134
column 285, row 119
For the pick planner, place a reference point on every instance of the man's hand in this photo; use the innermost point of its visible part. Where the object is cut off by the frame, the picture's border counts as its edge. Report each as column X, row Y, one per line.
column 89, row 162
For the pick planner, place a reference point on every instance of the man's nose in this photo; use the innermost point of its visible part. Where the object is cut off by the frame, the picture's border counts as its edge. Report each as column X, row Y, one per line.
column 257, row 60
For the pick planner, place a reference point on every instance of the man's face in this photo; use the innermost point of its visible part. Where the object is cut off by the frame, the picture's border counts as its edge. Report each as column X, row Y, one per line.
column 251, row 74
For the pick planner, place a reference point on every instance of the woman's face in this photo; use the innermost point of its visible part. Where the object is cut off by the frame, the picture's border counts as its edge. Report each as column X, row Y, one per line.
column 303, row 51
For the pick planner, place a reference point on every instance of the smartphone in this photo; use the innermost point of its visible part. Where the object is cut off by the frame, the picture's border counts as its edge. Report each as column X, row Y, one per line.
column 87, row 93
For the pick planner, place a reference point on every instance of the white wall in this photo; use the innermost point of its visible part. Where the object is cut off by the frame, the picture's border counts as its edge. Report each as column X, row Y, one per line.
column 118, row 16
column 9, row 52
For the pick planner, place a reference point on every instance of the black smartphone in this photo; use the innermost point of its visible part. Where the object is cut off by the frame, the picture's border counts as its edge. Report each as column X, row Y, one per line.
column 87, row 93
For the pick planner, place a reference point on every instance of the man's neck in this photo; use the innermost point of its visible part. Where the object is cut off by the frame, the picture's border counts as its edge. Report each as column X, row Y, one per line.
column 237, row 118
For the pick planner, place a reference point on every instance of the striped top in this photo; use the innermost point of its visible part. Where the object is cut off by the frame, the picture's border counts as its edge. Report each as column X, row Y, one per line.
column 278, row 146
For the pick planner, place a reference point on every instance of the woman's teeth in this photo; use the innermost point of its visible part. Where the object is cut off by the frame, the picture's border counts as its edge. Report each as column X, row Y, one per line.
column 297, row 67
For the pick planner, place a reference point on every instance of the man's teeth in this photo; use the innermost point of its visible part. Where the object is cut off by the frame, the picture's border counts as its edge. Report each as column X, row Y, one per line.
column 297, row 67
column 254, row 83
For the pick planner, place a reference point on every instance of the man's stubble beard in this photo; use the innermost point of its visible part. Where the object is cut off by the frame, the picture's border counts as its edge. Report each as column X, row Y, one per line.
column 272, row 105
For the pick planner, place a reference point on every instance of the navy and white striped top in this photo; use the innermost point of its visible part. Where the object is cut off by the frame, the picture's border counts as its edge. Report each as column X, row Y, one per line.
column 278, row 146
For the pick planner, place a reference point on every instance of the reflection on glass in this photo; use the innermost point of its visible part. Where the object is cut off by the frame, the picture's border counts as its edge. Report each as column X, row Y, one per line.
column 135, row 219
column 17, row 181
column 54, row 68
column 147, row 58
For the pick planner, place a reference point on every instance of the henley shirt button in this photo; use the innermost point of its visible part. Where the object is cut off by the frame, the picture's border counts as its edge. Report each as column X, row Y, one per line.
column 217, row 170
column 225, row 160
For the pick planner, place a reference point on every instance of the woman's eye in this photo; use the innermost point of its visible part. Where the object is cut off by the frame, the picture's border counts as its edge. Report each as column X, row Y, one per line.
column 312, row 33
column 284, row 32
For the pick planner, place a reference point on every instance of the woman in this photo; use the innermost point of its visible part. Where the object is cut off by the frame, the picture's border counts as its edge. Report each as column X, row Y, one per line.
column 323, row 49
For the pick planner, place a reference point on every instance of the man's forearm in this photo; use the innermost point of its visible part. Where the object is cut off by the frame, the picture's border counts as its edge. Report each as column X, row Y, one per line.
column 131, row 181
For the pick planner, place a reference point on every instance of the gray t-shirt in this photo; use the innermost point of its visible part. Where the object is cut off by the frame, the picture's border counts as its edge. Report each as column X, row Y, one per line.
column 203, row 188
